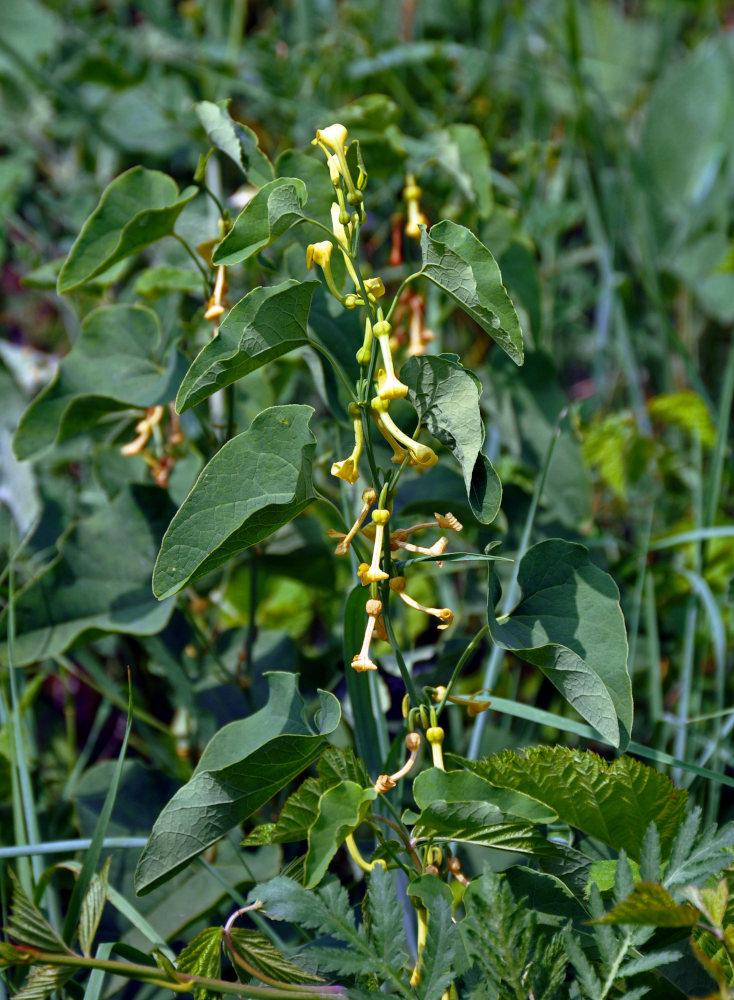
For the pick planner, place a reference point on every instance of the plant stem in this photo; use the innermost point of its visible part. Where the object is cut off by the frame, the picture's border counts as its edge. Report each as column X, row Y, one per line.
column 459, row 666
column 402, row 666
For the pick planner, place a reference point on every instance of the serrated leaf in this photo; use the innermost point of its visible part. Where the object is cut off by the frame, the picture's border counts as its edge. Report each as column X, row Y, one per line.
column 687, row 411
column 648, row 963
column 265, row 961
column 42, row 981
column 336, row 765
column 28, row 926
column 435, row 967
column 118, row 361
column 446, row 398
column 203, row 957
column 650, row 904
column 568, row 622
column 243, row 766
column 614, row 802
column 275, row 209
column 92, row 906
column 455, row 260
column 235, row 139
column 266, row 324
column 256, row 483
column 383, row 916
column 340, row 811
column 100, row 580
column 136, row 209
column 694, row 859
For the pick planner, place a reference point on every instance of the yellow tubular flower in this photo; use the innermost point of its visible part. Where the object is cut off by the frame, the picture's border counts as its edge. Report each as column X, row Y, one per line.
column 444, row 615
column 374, row 574
column 416, row 218
column 391, row 387
column 341, row 234
column 320, row 253
column 400, row 453
column 420, row 454
column 369, row 496
column 334, row 138
column 144, row 429
column 347, row 468
column 361, row 661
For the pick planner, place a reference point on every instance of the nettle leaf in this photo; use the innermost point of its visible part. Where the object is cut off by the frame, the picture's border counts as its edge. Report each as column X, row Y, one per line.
column 118, row 361
column 438, row 954
column 383, row 917
column 203, row 957
column 27, row 925
column 43, row 981
column 455, row 260
column 136, row 209
column 568, row 623
column 243, row 766
column 263, row 957
column 651, row 904
column 256, row 483
column 340, row 811
column 275, row 209
column 92, row 906
column 100, row 580
column 446, row 398
column 235, row 139
column 614, row 802
column 266, row 324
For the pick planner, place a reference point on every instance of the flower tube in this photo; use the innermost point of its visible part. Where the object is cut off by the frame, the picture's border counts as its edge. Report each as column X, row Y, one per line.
column 347, row 468
column 420, row 454
column 444, row 615
column 361, row 661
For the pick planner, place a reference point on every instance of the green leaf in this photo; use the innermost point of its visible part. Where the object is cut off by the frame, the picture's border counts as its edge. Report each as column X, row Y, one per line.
column 435, row 784
column 27, row 925
column 136, row 209
column 274, row 210
column 614, row 802
column 119, row 361
column 256, row 483
column 243, row 766
column 438, row 954
column 203, row 957
column 340, row 811
column 568, row 623
column 266, row 324
column 446, row 398
column 653, row 905
column 100, row 580
column 236, row 140
column 455, row 260
column 92, row 906
column 163, row 280
column 43, row 981
column 263, row 957
column 383, row 917
column 462, row 152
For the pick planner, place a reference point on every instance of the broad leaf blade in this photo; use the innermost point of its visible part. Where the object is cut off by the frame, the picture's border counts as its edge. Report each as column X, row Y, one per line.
column 117, row 362
column 203, row 957
column 242, row 767
column 265, row 960
column 455, row 260
column 266, row 324
column 28, row 926
column 568, row 623
column 236, row 140
column 446, row 398
column 435, row 784
column 101, row 580
column 136, row 209
column 614, row 802
column 340, row 811
column 651, row 904
column 42, row 981
column 271, row 212
column 256, row 483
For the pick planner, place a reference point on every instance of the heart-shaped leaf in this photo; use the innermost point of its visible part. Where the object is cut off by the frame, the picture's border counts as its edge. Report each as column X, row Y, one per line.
column 275, row 208
column 266, row 324
column 256, row 483
column 235, row 139
column 136, row 209
column 455, row 260
column 568, row 622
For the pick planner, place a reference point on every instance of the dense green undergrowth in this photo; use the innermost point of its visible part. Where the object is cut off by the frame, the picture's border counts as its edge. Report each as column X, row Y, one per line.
column 518, row 316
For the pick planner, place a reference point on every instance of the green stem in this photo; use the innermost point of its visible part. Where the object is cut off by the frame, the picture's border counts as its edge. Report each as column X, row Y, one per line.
column 336, row 366
column 405, row 283
column 402, row 666
column 459, row 666
column 200, row 266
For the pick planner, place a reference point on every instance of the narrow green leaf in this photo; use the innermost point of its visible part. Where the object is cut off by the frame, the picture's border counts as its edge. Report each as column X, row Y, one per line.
column 266, row 324
column 100, row 580
column 235, row 139
column 203, row 957
column 42, row 981
column 614, row 802
column 275, row 209
column 92, row 906
column 455, row 260
column 446, row 398
column 136, row 209
column 119, row 361
column 568, row 622
column 651, row 904
column 256, row 483
column 262, row 955
column 243, row 766
column 340, row 811
column 28, row 926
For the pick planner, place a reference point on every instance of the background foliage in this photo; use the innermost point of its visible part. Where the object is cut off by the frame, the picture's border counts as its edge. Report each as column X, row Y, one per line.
column 589, row 146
